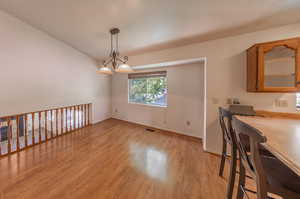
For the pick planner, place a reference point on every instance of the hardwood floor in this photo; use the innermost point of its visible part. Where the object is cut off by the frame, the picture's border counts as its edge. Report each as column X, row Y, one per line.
column 110, row 160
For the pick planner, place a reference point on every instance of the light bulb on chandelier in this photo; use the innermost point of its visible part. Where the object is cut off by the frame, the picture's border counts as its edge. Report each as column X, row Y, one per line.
column 105, row 70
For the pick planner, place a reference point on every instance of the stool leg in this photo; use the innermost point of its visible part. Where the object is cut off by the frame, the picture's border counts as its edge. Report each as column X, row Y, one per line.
column 242, row 178
column 223, row 157
column 231, row 180
column 261, row 190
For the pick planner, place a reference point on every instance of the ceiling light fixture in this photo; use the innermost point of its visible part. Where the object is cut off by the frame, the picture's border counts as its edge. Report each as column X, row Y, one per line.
column 115, row 62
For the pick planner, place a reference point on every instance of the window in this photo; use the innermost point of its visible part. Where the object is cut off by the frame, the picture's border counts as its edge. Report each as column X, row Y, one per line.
column 148, row 88
column 298, row 101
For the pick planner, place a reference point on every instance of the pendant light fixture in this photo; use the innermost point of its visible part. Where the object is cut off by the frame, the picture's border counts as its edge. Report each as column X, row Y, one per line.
column 115, row 62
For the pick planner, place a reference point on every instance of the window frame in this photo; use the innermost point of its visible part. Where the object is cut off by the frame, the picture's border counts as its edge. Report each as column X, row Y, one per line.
column 147, row 75
column 297, row 105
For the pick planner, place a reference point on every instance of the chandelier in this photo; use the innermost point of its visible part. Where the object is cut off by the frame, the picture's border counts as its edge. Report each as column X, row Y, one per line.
column 115, row 62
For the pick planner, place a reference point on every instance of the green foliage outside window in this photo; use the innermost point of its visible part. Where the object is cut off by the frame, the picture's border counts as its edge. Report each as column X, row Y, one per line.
column 148, row 90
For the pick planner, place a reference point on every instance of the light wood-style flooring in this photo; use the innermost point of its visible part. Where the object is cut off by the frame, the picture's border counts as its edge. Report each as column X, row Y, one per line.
column 113, row 160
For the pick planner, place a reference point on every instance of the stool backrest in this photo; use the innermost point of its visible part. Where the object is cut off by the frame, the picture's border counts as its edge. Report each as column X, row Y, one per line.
column 225, row 118
column 251, row 161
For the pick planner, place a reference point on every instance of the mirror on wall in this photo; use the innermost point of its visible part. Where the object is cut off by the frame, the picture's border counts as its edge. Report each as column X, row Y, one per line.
column 279, row 67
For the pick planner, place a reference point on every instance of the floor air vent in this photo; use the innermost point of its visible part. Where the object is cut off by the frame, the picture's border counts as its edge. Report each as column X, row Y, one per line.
column 151, row 130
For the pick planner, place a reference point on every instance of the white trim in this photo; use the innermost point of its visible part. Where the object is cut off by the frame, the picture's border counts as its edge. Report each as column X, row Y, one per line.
column 157, row 127
column 151, row 105
column 97, row 121
column 170, row 63
column 205, row 104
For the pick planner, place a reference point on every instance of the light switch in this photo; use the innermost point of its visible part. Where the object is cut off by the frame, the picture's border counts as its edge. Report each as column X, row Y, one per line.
column 284, row 103
column 281, row 103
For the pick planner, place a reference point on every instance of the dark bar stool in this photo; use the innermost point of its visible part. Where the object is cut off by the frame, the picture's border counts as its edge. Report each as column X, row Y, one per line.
column 225, row 118
column 226, row 128
column 270, row 174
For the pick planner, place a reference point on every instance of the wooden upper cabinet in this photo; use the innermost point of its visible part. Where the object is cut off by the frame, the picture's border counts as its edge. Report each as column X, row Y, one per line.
column 274, row 66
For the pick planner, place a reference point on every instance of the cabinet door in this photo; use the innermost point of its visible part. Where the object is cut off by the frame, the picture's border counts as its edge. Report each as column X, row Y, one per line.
column 278, row 67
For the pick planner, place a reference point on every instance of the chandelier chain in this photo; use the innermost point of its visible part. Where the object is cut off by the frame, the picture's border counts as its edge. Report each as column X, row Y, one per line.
column 111, row 44
column 117, row 47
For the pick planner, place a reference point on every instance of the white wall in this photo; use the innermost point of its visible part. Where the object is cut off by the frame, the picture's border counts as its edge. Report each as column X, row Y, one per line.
column 38, row 72
column 226, row 73
column 185, row 101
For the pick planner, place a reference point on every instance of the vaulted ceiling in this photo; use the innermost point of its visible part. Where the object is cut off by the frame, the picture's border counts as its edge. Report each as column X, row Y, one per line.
column 148, row 25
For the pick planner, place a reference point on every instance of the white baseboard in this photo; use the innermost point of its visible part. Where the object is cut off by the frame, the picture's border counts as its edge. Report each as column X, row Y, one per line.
column 97, row 121
column 157, row 127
